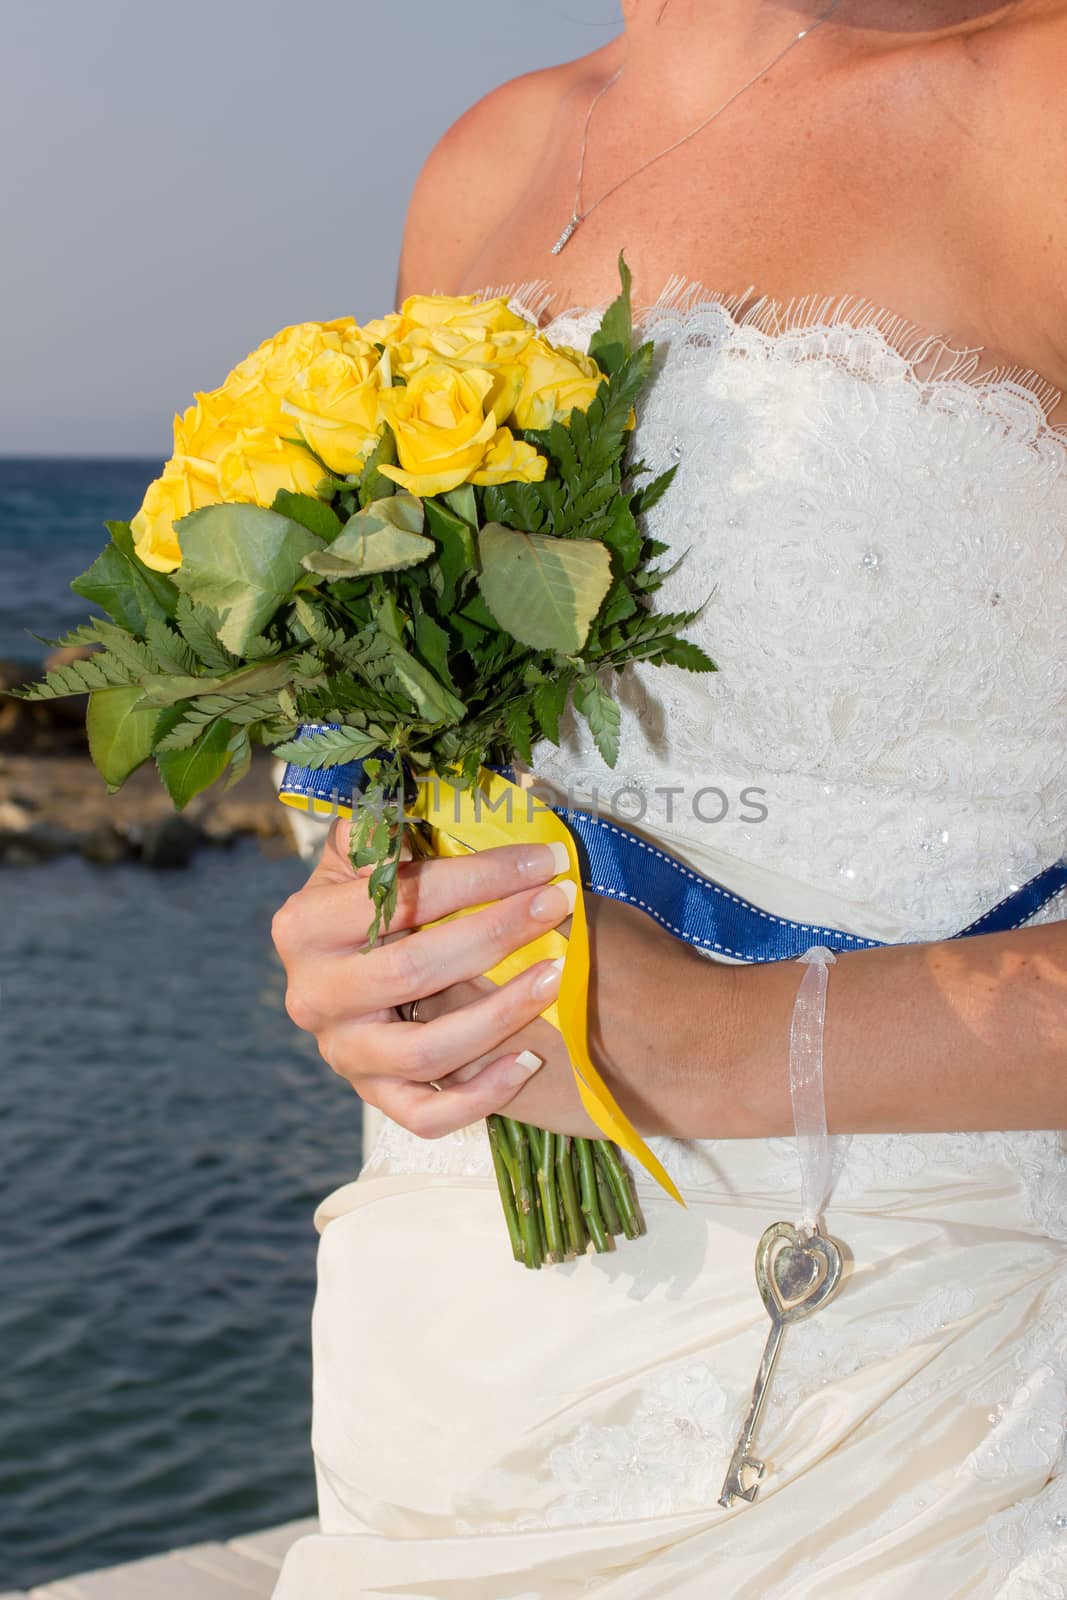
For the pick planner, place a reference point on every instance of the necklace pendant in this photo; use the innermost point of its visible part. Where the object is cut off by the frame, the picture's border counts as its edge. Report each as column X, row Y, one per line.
column 565, row 235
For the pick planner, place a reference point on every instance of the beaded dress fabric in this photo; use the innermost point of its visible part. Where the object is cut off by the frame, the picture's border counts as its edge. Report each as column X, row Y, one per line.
column 878, row 528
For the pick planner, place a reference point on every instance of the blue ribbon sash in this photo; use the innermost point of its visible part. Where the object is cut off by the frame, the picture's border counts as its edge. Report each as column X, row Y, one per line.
column 623, row 866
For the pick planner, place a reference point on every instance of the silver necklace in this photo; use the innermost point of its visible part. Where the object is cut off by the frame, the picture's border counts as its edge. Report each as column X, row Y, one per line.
column 578, row 216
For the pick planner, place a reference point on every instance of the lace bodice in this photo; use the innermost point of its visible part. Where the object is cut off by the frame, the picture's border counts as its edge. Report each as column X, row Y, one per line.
column 886, row 561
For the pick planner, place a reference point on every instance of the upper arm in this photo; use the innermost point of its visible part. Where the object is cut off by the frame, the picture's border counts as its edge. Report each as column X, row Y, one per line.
column 472, row 179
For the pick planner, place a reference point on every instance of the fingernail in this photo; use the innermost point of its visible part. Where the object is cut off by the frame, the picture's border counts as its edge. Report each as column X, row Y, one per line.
column 544, row 860
column 547, row 981
column 528, row 1062
column 555, row 902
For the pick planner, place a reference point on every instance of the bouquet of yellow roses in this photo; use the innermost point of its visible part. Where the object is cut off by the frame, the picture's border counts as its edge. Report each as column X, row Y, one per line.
column 406, row 545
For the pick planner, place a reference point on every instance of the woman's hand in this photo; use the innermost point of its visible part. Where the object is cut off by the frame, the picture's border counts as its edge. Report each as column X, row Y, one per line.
column 661, row 1022
column 348, row 995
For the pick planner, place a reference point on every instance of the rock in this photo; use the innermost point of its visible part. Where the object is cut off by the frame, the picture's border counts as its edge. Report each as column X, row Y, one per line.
column 219, row 832
column 103, row 845
column 41, row 841
column 14, row 818
column 169, row 842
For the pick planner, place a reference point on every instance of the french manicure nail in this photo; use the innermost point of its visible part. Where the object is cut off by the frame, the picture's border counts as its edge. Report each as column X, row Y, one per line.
column 547, row 981
column 528, row 1062
column 560, row 855
column 555, row 902
column 544, row 860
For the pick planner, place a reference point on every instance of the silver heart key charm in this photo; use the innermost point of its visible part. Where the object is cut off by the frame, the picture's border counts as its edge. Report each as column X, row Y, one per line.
column 796, row 1274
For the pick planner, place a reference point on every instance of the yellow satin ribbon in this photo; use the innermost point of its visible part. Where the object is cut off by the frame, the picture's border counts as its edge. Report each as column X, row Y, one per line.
column 500, row 812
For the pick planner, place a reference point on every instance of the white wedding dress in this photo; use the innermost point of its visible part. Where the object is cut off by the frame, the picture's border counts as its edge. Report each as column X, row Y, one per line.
column 881, row 530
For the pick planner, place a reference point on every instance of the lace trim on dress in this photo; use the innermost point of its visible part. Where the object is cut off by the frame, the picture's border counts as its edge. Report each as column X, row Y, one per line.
column 931, row 359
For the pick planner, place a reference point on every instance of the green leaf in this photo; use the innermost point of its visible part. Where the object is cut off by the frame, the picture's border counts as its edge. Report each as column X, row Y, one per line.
column 610, row 344
column 647, row 497
column 620, row 604
column 123, row 587
column 519, row 505
column 433, row 702
column 383, row 537
column 622, row 536
column 544, row 591
column 684, row 653
column 240, row 748
column 312, row 514
column 456, row 554
column 549, row 702
column 186, row 772
column 433, row 644
column 169, row 649
column 243, row 562
column 372, row 484
column 602, row 715
column 257, row 679
column 519, row 731
column 199, row 628
column 121, row 732
column 333, row 747
column 463, row 503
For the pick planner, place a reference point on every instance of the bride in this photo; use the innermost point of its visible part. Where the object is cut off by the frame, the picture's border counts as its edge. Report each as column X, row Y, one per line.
column 872, row 487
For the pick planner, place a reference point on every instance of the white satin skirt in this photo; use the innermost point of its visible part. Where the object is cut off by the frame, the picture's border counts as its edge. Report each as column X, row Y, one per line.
column 482, row 1432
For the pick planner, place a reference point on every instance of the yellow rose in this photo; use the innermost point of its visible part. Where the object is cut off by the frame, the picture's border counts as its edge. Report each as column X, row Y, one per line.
column 510, row 460
column 272, row 365
column 555, row 380
column 212, row 424
column 459, row 311
column 456, row 347
column 441, row 427
column 383, row 330
column 333, row 402
column 259, row 463
column 186, row 485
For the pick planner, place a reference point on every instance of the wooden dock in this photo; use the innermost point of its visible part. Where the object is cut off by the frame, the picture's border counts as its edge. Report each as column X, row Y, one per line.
column 239, row 1570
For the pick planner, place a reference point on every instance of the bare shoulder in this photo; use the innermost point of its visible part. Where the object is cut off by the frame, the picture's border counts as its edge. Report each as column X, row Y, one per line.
column 1033, row 127
column 1015, row 166
column 476, row 174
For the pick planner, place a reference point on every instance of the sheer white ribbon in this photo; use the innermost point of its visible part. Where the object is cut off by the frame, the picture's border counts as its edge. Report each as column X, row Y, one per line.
column 806, row 1086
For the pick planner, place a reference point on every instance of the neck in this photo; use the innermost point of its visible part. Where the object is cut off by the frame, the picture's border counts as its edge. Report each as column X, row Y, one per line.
column 670, row 34
column 686, row 50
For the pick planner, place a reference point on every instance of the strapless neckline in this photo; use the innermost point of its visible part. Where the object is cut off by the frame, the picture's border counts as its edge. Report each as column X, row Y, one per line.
column 931, row 360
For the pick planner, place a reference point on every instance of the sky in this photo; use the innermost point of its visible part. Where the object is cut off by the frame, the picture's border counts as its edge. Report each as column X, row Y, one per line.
column 178, row 182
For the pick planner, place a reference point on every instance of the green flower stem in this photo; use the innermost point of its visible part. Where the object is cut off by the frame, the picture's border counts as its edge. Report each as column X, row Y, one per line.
column 619, row 1180
column 608, row 1208
column 497, row 1137
column 568, row 1190
column 536, row 1136
column 504, row 1146
column 526, row 1194
column 546, row 1183
column 590, row 1206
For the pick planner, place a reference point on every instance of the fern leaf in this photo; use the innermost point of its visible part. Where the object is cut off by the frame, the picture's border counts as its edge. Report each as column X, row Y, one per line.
column 519, row 730
column 647, row 497
column 331, row 748
column 602, row 715
column 171, row 653
column 199, row 628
